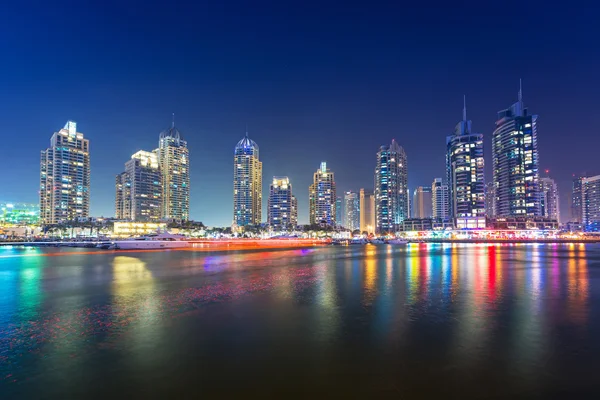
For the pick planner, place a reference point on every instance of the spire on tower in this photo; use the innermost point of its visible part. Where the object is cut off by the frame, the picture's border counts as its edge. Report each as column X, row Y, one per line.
column 464, row 107
column 173, row 123
column 520, row 90
column 246, row 130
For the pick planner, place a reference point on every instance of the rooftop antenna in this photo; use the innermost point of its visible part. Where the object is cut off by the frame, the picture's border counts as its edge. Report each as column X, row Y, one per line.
column 464, row 107
column 246, row 130
column 173, row 123
column 520, row 90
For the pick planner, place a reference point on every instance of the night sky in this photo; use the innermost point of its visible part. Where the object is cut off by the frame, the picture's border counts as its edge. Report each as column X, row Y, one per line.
column 313, row 82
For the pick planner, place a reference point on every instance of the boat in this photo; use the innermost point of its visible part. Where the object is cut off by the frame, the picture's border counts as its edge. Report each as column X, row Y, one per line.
column 163, row 240
column 377, row 241
column 358, row 241
column 397, row 241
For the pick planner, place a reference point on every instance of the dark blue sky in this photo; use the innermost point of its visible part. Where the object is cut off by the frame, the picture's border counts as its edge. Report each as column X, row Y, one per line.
column 313, row 82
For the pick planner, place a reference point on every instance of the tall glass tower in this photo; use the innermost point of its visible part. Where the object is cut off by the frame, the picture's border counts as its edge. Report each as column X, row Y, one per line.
column 391, row 188
column 173, row 161
column 65, row 177
column 247, row 183
column 352, row 211
column 515, row 162
column 281, row 204
column 139, row 191
column 322, row 197
column 549, row 199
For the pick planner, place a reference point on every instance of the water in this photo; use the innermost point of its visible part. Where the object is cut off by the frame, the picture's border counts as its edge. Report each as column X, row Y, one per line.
column 381, row 321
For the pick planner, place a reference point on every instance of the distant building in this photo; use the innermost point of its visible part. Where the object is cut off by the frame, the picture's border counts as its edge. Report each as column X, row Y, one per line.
column 173, row 160
column 490, row 200
column 422, row 204
column 590, row 203
column 138, row 189
column 281, row 204
column 65, row 177
column 576, row 204
column 247, row 183
column 391, row 188
column 367, row 211
column 322, row 197
column 19, row 214
column 465, row 175
column 522, row 223
column 294, row 219
column 352, row 211
column 549, row 199
column 441, row 201
column 339, row 211
column 515, row 162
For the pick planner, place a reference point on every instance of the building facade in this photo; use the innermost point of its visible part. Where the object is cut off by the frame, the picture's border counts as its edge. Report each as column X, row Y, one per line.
column 294, row 218
column 139, row 189
column 322, row 197
column 65, row 177
column 19, row 214
column 391, row 188
column 549, row 199
column 367, row 212
column 351, row 211
column 339, row 211
column 465, row 175
column 490, row 200
column 422, row 205
column 440, row 199
column 247, row 183
column 281, row 204
column 576, row 203
column 173, row 161
column 590, row 203
column 515, row 162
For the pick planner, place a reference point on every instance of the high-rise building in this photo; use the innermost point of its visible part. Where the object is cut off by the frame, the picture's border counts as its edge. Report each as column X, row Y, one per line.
column 549, row 199
column 440, row 196
column 490, row 200
column 322, row 197
column 247, row 183
column 590, row 203
column 367, row 212
column 173, row 161
column 465, row 175
column 281, row 204
column 391, row 188
column 515, row 162
column 65, row 177
column 352, row 211
column 294, row 219
column 576, row 205
column 422, row 203
column 339, row 211
column 139, row 190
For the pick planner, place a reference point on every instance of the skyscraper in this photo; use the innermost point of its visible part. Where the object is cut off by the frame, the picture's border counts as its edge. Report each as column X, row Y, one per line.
column 440, row 196
column 247, row 183
column 490, row 200
column 549, row 200
column 590, row 203
column 139, row 190
column 422, row 203
column 465, row 174
column 576, row 205
column 339, row 211
column 391, row 191
column 65, row 177
column 294, row 219
column 515, row 162
column 352, row 211
column 322, row 197
column 367, row 212
column 281, row 204
column 173, row 161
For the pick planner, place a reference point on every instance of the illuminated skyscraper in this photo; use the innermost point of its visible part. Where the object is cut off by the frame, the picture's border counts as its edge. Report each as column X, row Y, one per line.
column 367, row 212
column 465, row 169
column 549, row 200
column 322, row 197
column 339, row 211
column 65, row 177
column 515, row 162
column 352, row 211
column 576, row 205
column 173, row 161
column 281, row 204
column 440, row 196
column 490, row 200
column 139, row 190
column 294, row 219
column 422, row 203
column 247, row 183
column 590, row 203
column 391, row 191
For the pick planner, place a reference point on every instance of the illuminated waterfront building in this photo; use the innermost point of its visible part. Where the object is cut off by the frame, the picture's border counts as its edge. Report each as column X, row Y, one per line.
column 490, row 200
column 281, row 204
column 576, row 205
column 515, row 162
column 173, row 161
column 294, row 219
column 125, row 229
column 465, row 175
column 139, row 190
column 339, row 211
column 367, row 212
column 352, row 211
column 19, row 214
column 590, row 203
column 65, row 177
column 440, row 198
column 322, row 197
column 247, row 183
column 391, row 191
column 549, row 199
column 422, row 203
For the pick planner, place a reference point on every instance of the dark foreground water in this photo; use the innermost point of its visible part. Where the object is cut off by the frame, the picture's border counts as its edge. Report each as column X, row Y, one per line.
column 380, row 321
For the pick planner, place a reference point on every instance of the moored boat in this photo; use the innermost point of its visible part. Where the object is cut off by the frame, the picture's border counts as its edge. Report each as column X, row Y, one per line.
column 154, row 241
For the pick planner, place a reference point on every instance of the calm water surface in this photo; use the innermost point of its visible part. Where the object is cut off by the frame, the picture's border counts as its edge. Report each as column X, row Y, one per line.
column 381, row 321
